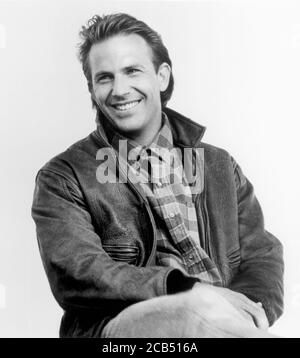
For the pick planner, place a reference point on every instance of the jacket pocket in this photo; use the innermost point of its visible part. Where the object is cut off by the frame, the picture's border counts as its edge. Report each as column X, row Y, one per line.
column 123, row 253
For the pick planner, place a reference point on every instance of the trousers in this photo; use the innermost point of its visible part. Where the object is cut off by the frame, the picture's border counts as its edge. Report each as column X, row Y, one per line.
column 181, row 315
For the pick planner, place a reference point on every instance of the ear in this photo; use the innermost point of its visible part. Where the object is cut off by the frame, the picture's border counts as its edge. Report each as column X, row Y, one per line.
column 90, row 87
column 164, row 73
column 93, row 97
column 91, row 90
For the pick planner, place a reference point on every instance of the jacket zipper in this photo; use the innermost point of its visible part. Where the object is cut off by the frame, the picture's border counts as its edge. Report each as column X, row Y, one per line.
column 208, row 248
column 126, row 250
column 205, row 221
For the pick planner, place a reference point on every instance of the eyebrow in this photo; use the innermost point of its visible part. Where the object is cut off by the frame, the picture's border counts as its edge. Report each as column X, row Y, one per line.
column 133, row 66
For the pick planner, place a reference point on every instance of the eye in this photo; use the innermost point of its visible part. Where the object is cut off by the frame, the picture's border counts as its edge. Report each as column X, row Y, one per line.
column 132, row 71
column 103, row 79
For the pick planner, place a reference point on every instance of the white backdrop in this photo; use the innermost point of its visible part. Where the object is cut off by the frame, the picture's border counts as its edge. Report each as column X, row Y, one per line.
column 236, row 68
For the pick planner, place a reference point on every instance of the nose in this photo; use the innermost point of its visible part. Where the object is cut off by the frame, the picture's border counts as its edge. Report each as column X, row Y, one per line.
column 120, row 87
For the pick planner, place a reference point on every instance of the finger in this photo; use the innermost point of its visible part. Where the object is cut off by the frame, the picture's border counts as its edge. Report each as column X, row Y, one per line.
column 250, row 302
column 261, row 318
column 258, row 315
column 243, row 303
column 247, row 316
column 257, row 311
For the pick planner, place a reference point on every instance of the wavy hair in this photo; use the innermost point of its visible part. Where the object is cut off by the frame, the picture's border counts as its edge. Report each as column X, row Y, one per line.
column 101, row 28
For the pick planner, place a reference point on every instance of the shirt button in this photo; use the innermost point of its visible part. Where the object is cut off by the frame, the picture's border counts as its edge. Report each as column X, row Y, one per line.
column 190, row 257
column 172, row 215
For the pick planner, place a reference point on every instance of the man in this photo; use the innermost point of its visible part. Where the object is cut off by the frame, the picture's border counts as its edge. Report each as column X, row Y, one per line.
column 132, row 244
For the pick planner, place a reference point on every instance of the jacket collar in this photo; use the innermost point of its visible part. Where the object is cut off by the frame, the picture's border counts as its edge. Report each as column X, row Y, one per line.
column 186, row 133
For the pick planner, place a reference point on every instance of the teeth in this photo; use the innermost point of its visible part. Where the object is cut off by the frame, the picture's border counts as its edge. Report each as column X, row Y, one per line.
column 124, row 107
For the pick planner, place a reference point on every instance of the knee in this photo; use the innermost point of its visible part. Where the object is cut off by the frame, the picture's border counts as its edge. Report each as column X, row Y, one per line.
column 197, row 299
column 200, row 304
column 195, row 304
column 194, row 314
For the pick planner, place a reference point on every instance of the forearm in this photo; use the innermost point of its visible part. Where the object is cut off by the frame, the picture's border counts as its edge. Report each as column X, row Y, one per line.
column 260, row 275
column 81, row 273
column 262, row 283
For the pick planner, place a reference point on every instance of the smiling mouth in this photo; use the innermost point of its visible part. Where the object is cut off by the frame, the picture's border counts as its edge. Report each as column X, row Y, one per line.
column 126, row 106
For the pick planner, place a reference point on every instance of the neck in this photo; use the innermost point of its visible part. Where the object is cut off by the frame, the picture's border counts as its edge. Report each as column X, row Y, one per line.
column 144, row 138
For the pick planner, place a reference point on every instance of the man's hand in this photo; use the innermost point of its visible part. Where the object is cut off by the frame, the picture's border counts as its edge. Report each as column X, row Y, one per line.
column 251, row 311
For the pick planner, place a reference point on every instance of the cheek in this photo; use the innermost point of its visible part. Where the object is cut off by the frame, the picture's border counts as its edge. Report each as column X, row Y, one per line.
column 101, row 93
column 146, row 84
column 152, row 93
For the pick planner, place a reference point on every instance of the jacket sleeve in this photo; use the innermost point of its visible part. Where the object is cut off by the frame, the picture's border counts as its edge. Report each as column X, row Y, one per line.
column 260, row 276
column 81, row 274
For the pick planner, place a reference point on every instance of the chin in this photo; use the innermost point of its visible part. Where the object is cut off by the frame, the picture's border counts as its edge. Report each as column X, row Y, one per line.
column 129, row 129
column 129, row 125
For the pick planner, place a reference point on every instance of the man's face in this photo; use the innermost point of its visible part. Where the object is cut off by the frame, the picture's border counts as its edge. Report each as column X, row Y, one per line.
column 126, row 86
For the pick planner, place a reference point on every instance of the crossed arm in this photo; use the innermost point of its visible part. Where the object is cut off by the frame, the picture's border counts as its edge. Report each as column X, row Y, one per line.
column 82, row 276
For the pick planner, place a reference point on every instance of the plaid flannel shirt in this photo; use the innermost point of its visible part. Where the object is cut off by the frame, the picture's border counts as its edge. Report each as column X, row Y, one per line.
column 164, row 183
